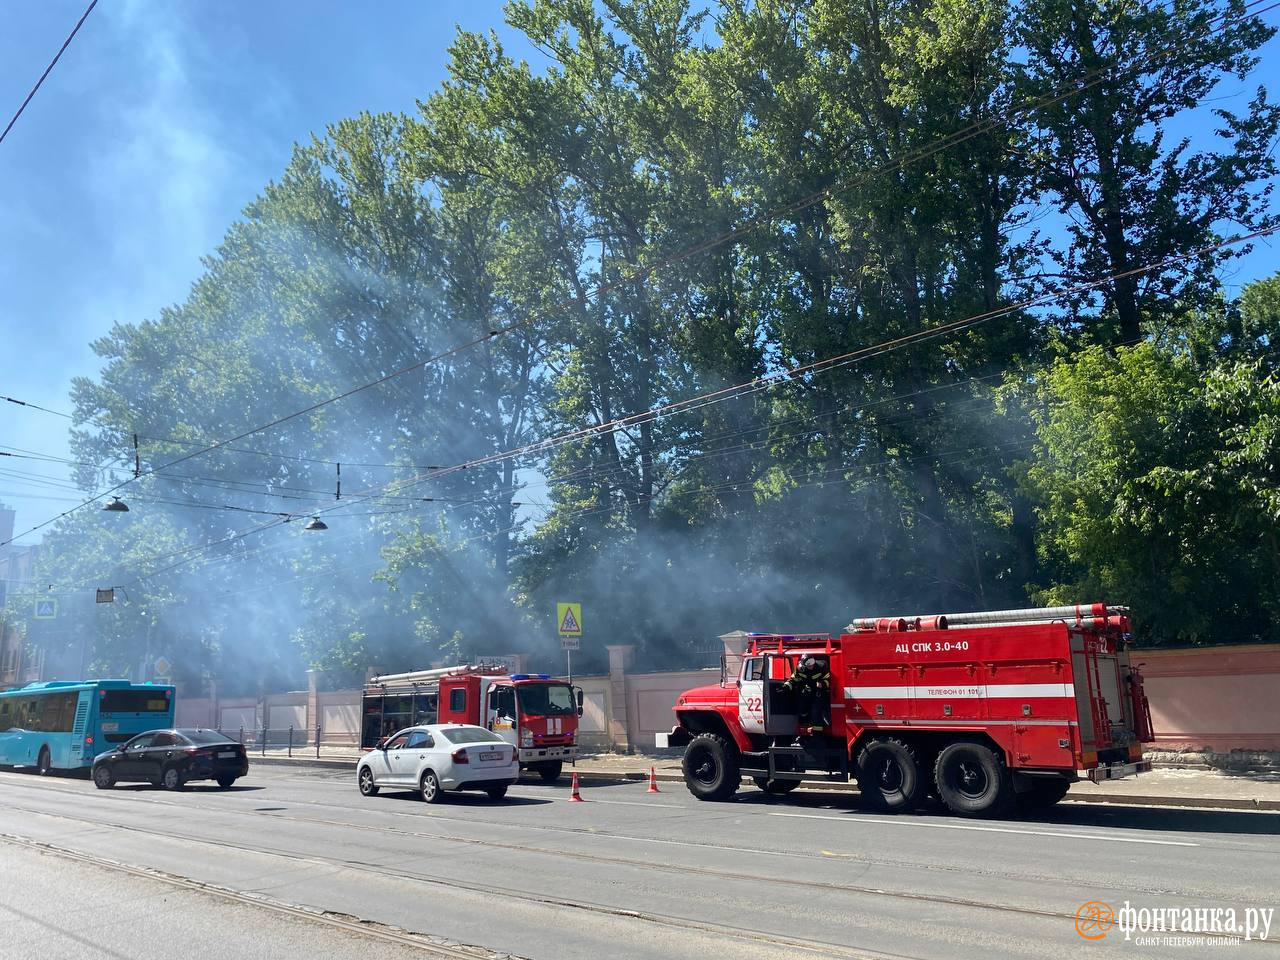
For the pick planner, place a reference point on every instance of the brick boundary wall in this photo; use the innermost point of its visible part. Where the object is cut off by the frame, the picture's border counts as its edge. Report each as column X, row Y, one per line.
column 1214, row 706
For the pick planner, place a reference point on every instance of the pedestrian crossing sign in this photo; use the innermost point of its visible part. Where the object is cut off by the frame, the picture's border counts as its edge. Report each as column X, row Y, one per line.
column 46, row 609
column 569, row 619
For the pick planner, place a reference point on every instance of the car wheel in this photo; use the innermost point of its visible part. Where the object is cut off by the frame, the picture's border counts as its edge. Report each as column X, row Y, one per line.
column 44, row 763
column 430, row 788
column 365, row 780
column 497, row 793
column 973, row 780
column 103, row 778
column 888, row 776
column 226, row 782
column 171, row 779
column 711, row 767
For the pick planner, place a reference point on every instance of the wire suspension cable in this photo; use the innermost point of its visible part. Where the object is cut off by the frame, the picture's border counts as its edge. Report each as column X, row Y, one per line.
column 47, row 70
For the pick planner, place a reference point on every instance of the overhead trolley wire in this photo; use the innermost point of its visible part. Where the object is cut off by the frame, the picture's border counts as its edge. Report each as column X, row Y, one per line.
column 47, row 70
column 783, row 376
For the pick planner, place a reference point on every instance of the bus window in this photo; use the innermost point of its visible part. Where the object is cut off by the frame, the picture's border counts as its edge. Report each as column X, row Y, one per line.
column 55, row 713
column 134, row 701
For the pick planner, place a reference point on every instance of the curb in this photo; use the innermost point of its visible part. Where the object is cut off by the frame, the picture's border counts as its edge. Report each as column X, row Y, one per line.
column 639, row 776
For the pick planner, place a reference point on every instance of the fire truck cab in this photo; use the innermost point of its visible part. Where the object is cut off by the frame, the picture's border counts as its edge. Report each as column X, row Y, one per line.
column 534, row 712
column 981, row 710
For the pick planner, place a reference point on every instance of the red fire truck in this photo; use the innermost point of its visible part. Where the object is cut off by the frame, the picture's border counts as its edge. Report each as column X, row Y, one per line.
column 981, row 710
column 536, row 713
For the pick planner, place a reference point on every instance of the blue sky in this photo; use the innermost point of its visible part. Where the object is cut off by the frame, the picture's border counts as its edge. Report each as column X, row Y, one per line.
column 161, row 122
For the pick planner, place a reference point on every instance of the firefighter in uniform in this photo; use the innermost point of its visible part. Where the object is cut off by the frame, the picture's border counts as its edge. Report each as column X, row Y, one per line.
column 811, row 684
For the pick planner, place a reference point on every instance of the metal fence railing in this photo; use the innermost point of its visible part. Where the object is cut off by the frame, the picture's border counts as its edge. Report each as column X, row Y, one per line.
column 302, row 741
column 291, row 740
column 263, row 739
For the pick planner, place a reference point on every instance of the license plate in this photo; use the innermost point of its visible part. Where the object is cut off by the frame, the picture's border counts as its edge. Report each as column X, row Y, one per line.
column 490, row 756
column 226, row 754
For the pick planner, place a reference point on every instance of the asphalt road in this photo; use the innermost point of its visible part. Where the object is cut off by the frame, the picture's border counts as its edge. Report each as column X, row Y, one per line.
column 627, row 874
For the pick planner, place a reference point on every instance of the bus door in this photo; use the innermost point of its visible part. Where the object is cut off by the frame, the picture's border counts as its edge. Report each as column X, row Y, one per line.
column 84, row 745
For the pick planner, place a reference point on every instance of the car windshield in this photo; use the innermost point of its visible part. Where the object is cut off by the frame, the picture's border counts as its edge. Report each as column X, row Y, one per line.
column 469, row 735
column 546, row 700
column 205, row 736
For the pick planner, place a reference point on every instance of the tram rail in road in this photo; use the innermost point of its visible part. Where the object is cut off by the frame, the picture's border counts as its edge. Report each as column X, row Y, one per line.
column 678, row 870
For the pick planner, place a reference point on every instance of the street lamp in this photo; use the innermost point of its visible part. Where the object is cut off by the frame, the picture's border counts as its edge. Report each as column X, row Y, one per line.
column 315, row 523
column 116, row 505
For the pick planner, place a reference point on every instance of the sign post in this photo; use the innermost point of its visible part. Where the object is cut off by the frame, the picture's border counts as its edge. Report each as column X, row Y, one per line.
column 569, row 626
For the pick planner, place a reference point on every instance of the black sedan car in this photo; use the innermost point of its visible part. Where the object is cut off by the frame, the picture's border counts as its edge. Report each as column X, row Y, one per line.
column 171, row 758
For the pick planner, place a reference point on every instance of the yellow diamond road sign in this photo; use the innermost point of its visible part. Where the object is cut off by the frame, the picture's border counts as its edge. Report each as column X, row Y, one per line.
column 569, row 619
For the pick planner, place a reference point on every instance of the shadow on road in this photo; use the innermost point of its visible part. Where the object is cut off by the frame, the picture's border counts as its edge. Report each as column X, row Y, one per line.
column 1170, row 819
column 1159, row 818
column 187, row 788
column 466, row 798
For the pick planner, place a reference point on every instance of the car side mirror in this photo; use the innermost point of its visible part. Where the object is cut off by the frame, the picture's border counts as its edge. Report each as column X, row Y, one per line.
column 579, row 693
column 381, row 744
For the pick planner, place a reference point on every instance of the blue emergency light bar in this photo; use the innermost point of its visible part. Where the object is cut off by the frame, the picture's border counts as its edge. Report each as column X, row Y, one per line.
column 531, row 676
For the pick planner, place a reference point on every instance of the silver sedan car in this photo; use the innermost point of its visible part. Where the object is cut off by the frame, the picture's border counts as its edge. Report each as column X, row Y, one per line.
column 438, row 757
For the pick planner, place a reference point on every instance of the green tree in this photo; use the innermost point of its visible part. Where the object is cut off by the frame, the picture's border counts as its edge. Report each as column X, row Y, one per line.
column 1156, row 479
column 1110, row 157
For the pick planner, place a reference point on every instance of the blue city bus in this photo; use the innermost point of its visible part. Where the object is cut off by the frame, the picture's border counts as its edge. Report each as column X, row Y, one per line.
column 64, row 724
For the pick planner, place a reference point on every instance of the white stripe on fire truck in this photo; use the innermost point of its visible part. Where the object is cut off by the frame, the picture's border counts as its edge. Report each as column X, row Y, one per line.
column 978, row 691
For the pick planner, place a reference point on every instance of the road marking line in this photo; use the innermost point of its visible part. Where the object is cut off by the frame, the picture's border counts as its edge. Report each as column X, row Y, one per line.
column 970, row 826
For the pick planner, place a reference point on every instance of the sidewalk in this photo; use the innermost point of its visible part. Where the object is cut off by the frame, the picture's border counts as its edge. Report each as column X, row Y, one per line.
column 1161, row 787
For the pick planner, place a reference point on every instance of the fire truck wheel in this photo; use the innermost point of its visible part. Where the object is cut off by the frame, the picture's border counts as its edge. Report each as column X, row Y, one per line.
column 550, row 772
column 973, row 780
column 710, row 766
column 776, row 787
column 1044, row 793
column 888, row 776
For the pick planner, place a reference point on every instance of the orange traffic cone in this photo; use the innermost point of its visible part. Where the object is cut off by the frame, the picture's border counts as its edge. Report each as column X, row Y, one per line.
column 653, row 782
column 575, row 796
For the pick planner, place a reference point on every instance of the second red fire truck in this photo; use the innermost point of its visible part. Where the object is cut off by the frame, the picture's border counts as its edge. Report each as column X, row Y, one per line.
column 533, row 711
column 981, row 710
